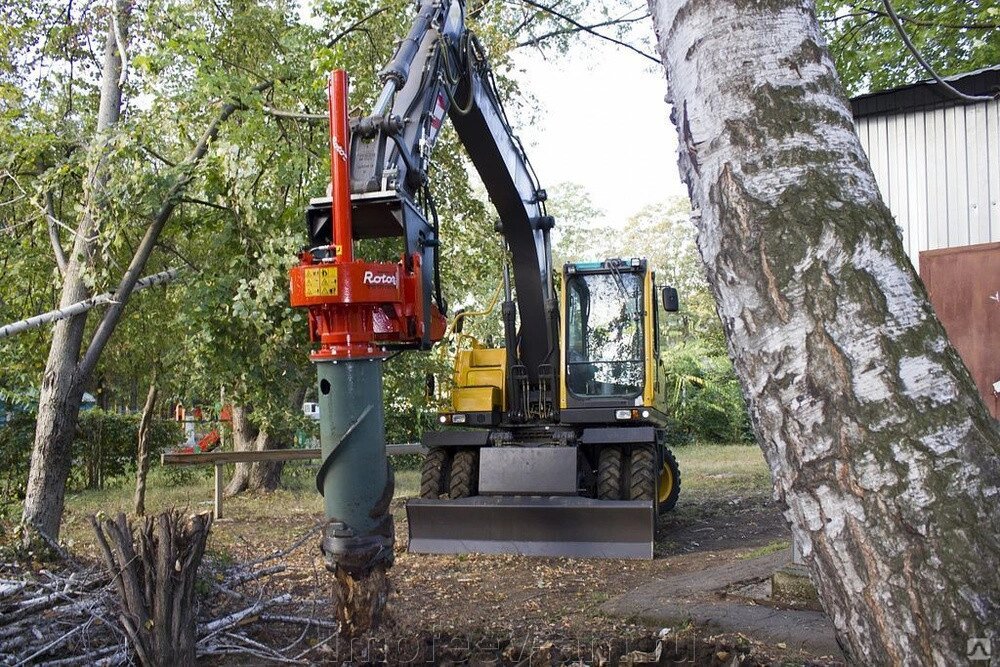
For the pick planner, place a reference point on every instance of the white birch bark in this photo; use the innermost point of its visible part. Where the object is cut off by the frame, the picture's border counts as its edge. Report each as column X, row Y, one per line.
column 882, row 455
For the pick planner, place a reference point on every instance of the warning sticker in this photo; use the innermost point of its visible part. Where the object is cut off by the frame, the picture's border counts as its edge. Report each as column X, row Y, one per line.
column 321, row 282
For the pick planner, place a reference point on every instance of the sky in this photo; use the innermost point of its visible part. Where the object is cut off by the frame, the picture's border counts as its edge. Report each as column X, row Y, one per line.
column 601, row 123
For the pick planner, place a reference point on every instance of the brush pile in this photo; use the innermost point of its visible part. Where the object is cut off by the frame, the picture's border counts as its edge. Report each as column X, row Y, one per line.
column 76, row 614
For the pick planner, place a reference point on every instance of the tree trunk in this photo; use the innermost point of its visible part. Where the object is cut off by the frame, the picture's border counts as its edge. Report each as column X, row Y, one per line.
column 883, row 457
column 262, row 475
column 142, row 456
column 244, row 440
column 266, row 475
column 155, row 574
column 67, row 372
column 62, row 384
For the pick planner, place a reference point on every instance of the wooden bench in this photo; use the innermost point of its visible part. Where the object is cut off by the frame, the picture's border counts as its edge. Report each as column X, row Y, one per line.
column 219, row 459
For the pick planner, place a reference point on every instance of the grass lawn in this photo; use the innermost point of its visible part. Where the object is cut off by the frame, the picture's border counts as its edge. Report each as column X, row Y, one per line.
column 726, row 467
column 705, row 469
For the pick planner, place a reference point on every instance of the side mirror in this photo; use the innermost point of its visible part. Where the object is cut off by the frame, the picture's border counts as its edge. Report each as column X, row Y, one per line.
column 459, row 320
column 429, row 385
column 671, row 302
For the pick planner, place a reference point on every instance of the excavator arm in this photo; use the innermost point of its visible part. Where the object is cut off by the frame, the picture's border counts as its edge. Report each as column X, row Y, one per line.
column 441, row 69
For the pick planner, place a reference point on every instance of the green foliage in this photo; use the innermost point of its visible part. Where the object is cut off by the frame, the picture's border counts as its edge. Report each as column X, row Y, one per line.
column 105, row 448
column 704, row 395
column 15, row 453
column 954, row 36
column 225, row 325
column 103, row 453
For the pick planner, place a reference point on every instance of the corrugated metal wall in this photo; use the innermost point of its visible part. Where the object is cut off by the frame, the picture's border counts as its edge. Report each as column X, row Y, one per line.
column 939, row 172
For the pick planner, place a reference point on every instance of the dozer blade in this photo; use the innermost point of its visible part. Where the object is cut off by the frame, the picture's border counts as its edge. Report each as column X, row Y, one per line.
column 531, row 526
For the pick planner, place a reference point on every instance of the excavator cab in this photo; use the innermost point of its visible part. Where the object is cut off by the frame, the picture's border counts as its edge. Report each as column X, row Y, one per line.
column 588, row 478
column 611, row 346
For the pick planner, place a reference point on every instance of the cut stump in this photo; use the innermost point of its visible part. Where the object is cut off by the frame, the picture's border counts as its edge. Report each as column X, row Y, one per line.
column 154, row 572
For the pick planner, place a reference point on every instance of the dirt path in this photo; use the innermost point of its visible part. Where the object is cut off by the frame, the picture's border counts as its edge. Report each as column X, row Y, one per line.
column 505, row 609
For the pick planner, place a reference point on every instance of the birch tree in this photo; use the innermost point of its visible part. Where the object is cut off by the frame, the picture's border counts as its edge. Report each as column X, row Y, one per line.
column 885, row 461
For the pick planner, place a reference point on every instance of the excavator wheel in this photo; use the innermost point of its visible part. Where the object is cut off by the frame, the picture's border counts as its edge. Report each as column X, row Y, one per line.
column 434, row 474
column 642, row 473
column 464, row 474
column 609, row 474
column 669, row 487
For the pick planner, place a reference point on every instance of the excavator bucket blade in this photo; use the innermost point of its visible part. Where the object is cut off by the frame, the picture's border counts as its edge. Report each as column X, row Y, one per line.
column 531, row 526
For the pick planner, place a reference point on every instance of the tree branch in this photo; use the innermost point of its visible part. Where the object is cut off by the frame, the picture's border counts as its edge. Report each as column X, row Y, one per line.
column 51, row 221
column 916, row 54
column 202, row 202
column 294, row 115
column 138, row 263
column 176, row 253
column 159, row 157
column 860, row 11
column 354, row 26
column 589, row 30
column 535, row 41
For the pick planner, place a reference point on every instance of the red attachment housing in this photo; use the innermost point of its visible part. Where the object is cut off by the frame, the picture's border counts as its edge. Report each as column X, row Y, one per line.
column 357, row 308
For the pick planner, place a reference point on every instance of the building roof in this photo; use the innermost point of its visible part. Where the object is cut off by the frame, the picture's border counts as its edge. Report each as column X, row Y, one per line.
column 927, row 94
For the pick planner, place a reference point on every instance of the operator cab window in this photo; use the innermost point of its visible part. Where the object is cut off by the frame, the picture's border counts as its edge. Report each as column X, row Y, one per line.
column 604, row 337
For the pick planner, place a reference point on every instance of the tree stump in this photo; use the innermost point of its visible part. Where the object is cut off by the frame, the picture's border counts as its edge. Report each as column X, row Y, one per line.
column 360, row 600
column 154, row 573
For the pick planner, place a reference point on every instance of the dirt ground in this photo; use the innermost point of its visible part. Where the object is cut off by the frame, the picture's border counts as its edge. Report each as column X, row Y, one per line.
column 489, row 610
column 514, row 610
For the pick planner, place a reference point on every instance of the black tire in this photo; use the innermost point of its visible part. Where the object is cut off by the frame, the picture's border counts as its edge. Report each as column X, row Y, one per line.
column 609, row 474
column 434, row 474
column 464, row 474
column 668, row 496
column 642, row 473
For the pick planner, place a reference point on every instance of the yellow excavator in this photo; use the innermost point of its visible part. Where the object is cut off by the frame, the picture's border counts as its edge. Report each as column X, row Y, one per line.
column 555, row 443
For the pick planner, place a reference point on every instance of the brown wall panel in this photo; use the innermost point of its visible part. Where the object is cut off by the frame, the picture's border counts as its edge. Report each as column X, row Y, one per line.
column 964, row 286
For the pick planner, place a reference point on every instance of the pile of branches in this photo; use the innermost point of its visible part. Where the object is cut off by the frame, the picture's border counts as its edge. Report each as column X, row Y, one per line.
column 74, row 614
column 69, row 614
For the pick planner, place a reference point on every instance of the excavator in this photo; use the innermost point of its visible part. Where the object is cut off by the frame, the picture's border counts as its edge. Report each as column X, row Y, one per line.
column 553, row 444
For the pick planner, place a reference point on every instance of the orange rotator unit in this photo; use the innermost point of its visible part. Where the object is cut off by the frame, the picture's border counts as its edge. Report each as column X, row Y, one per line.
column 358, row 312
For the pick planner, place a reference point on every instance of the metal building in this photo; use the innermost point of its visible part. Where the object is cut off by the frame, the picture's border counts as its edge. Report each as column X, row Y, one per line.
column 937, row 163
column 936, row 159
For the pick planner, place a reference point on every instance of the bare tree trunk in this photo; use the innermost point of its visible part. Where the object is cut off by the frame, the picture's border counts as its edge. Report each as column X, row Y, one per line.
column 155, row 574
column 259, row 476
column 142, row 456
column 262, row 475
column 882, row 454
column 244, row 440
column 62, row 384
column 266, row 475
